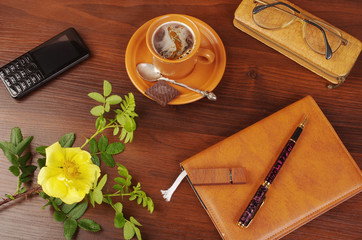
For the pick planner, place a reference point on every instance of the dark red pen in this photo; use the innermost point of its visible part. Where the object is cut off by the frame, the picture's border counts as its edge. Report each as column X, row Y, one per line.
column 259, row 196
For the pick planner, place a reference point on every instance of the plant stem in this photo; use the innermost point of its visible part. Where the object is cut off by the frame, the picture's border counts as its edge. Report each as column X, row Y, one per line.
column 24, row 194
column 109, row 125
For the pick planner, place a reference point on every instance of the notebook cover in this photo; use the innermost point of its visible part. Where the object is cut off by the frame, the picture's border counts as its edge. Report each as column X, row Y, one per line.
column 305, row 187
column 290, row 42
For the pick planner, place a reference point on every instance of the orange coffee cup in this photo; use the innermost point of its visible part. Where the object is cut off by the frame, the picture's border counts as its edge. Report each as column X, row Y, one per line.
column 174, row 42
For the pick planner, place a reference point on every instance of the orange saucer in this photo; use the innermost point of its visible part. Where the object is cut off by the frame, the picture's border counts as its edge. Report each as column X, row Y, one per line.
column 203, row 77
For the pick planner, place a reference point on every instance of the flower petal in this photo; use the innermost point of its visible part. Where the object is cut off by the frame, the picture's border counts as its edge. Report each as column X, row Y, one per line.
column 55, row 155
column 46, row 173
column 74, row 195
column 55, row 187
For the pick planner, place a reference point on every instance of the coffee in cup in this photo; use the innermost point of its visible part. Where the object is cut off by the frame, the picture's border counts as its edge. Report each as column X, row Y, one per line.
column 174, row 42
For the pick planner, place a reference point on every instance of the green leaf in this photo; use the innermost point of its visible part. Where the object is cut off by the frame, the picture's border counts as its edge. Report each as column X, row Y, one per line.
column 108, row 159
column 128, row 231
column 102, row 182
column 11, row 157
column 16, row 137
column 91, row 198
column 115, row 148
column 14, row 170
column 107, row 88
column 117, row 187
column 79, row 210
column 97, row 110
column 41, row 162
column 120, row 180
column 59, row 216
column 98, row 196
column 23, row 145
column 24, row 179
column 93, row 146
column 138, row 233
column 7, row 147
column 67, row 140
column 107, row 107
column 58, row 201
column 114, row 99
column 95, row 160
column 103, row 143
column 122, row 170
column 27, row 170
column 22, row 190
column 100, row 122
column 41, row 150
column 150, row 205
column 89, row 225
column 132, row 197
column 134, row 221
column 118, row 207
column 9, row 196
column 96, row 96
column 66, row 208
column 115, row 130
column 24, row 159
column 119, row 220
column 70, row 226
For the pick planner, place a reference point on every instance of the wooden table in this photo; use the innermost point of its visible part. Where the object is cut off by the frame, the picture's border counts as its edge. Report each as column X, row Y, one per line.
column 257, row 82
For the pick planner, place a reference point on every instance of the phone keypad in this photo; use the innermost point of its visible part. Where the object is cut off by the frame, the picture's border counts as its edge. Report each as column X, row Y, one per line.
column 20, row 75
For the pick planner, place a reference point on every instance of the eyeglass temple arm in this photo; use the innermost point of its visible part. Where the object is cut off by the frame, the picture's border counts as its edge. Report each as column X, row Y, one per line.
column 262, row 7
column 328, row 47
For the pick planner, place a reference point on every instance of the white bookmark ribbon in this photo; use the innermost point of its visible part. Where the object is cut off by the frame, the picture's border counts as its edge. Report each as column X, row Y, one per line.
column 167, row 194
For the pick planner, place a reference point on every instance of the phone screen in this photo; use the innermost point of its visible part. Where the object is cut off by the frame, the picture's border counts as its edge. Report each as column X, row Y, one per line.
column 59, row 52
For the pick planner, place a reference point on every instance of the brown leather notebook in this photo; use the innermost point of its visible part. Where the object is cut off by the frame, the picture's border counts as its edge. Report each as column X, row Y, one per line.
column 305, row 187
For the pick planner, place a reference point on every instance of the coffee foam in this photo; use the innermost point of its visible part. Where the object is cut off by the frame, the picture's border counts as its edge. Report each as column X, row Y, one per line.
column 173, row 40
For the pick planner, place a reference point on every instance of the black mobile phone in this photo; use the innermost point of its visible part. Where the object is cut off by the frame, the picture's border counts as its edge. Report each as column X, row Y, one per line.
column 41, row 64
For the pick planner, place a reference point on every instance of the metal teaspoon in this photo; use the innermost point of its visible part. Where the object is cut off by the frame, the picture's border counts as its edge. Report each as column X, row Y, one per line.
column 150, row 73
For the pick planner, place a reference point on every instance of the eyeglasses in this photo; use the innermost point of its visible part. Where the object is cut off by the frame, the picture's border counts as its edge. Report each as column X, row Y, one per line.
column 320, row 37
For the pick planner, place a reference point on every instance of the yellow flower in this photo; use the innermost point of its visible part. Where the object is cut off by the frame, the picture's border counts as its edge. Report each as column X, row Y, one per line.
column 69, row 173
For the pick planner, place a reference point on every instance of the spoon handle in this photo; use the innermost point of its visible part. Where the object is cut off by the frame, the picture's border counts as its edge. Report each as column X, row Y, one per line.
column 210, row 95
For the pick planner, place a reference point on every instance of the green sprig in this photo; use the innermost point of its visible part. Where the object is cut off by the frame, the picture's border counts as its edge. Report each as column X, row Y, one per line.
column 14, row 152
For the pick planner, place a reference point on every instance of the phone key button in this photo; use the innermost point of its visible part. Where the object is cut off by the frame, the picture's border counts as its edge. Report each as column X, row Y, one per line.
column 33, row 79
column 18, row 88
column 27, row 58
column 2, row 74
column 38, row 76
column 17, row 65
column 12, row 79
column 12, row 68
column 17, row 76
column 22, row 73
column 23, row 85
column 7, row 82
column 6, row 70
column 22, row 61
column 28, row 82
column 13, row 91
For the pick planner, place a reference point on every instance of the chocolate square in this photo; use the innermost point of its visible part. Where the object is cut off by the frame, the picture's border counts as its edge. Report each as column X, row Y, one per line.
column 162, row 93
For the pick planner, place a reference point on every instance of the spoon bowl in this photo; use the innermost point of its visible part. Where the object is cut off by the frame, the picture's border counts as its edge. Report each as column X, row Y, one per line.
column 150, row 73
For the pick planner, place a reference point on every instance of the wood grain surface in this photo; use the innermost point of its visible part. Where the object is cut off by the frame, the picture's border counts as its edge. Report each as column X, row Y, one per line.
column 257, row 82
